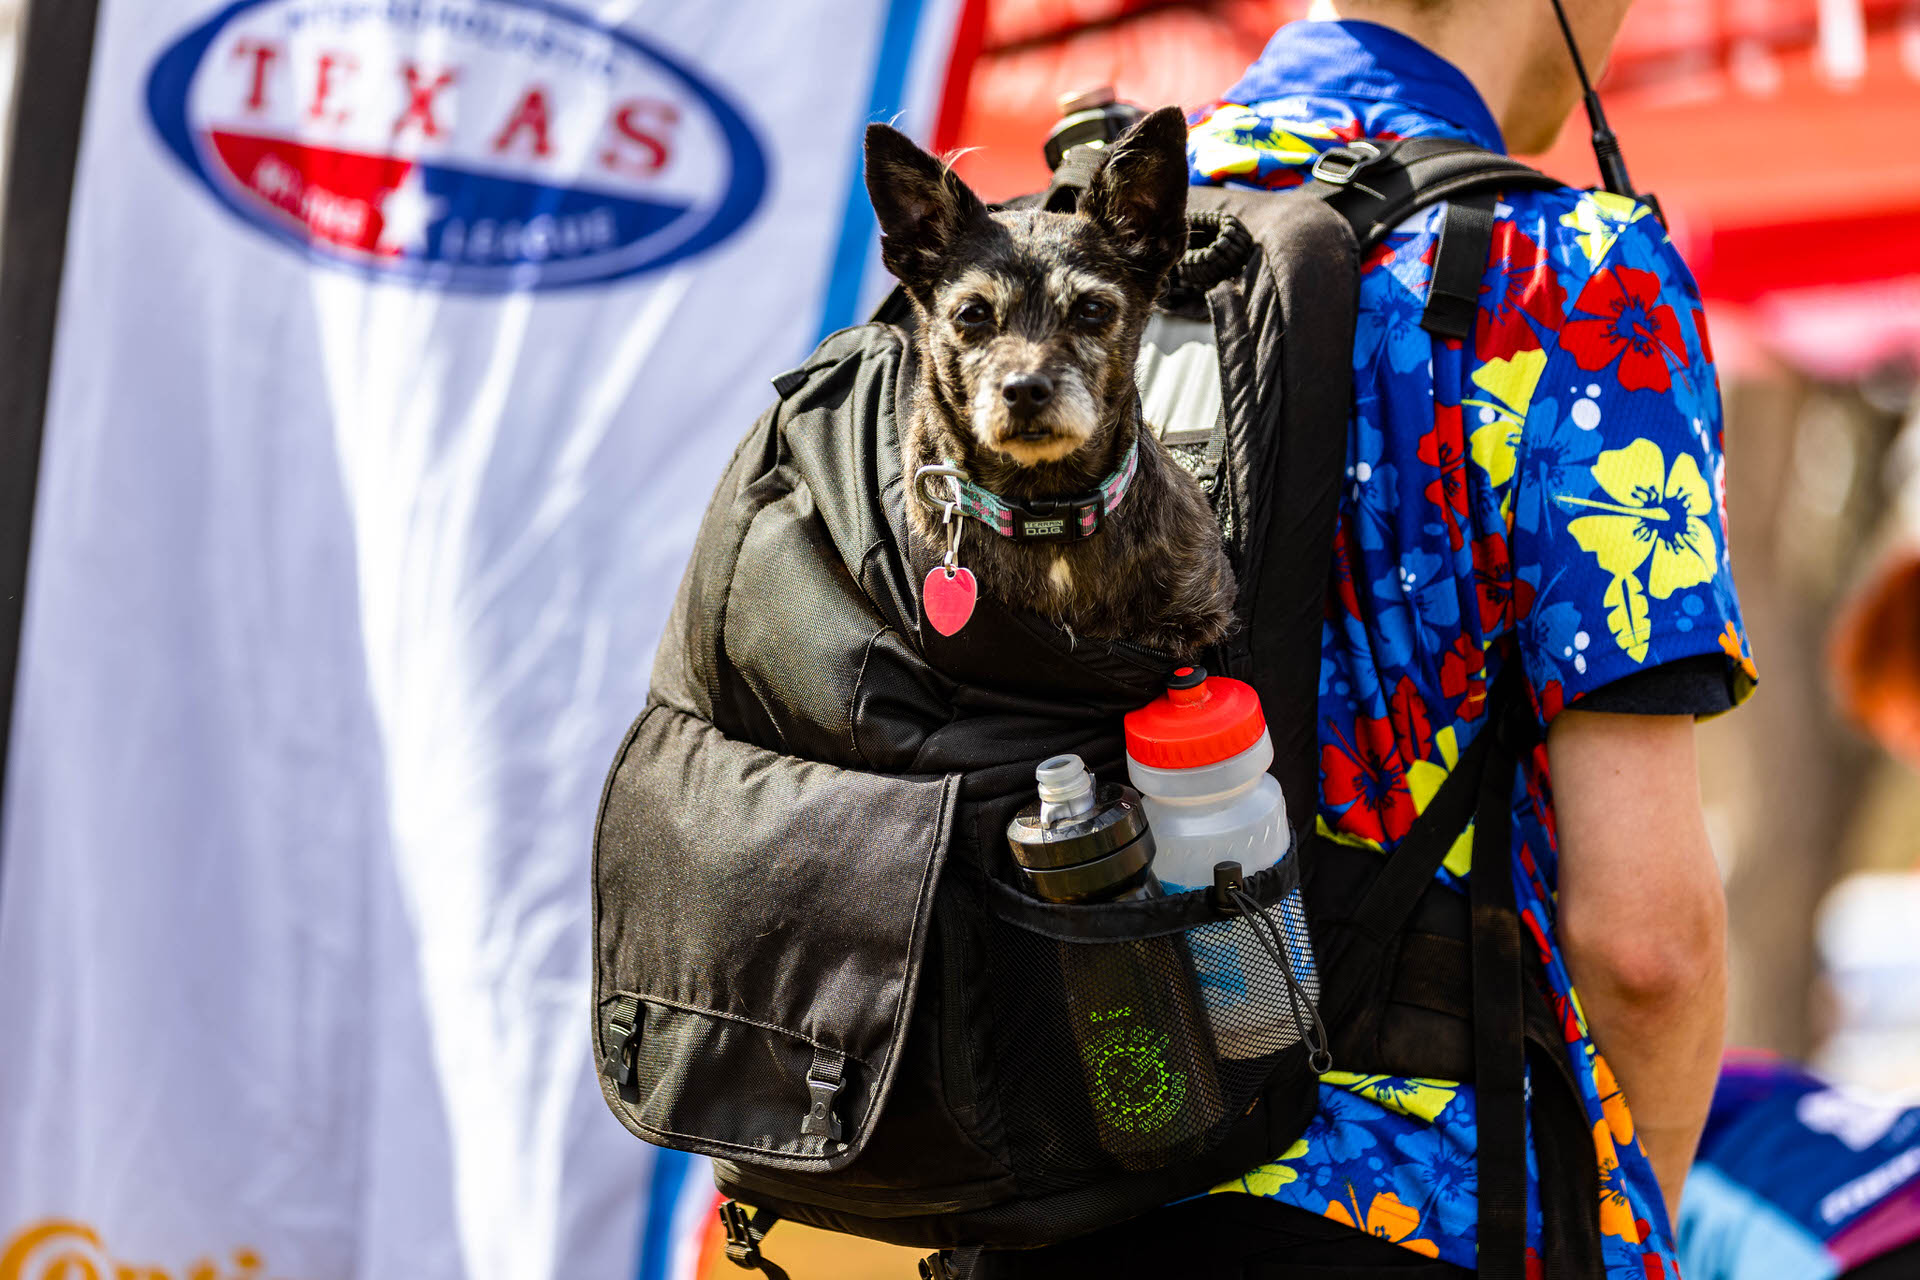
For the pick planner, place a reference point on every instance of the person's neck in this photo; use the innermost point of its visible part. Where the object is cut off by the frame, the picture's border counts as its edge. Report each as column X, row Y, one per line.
column 1459, row 32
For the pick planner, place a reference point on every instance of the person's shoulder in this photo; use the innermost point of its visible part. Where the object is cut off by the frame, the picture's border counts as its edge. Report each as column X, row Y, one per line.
column 1607, row 287
column 1584, row 233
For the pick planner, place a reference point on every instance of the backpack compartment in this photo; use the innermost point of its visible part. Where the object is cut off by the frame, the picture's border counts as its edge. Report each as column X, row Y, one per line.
column 711, row 1040
column 1129, row 1037
column 1076, row 1042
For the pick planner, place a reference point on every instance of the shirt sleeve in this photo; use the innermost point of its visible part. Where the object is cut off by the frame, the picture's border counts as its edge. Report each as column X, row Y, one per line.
column 1619, row 538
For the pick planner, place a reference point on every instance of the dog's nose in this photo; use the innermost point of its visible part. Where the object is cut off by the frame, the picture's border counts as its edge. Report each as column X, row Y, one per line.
column 1025, row 392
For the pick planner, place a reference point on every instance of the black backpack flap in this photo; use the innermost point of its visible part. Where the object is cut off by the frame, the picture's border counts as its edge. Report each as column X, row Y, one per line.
column 759, row 922
column 789, row 583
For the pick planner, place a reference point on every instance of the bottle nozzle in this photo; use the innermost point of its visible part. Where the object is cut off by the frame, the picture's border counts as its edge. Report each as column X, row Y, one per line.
column 1187, row 686
column 1066, row 789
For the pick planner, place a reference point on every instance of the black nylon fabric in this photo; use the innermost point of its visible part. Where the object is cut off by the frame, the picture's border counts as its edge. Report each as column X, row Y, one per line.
column 800, row 853
column 795, row 659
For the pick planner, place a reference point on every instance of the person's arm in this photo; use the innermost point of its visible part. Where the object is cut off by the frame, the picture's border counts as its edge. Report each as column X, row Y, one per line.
column 1642, row 920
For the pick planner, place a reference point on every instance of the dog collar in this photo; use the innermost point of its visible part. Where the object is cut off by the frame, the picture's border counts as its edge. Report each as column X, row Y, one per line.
column 1033, row 519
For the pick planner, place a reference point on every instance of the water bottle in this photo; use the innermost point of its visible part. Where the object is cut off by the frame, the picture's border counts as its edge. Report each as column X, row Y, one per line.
column 1199, row 755
column 1138, row 1023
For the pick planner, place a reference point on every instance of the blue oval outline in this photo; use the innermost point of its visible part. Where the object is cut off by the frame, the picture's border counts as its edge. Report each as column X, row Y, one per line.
column 172, row 77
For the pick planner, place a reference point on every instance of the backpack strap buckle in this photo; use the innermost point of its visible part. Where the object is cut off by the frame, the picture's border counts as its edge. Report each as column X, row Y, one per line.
column 825, row 1078
column 1337, row 166
column 742, row 1249
column 950, row 1264
column 744, row 1235
column 624, row 1028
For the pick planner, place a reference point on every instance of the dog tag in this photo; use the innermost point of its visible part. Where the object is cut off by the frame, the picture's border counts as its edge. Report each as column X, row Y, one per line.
column 948, row 598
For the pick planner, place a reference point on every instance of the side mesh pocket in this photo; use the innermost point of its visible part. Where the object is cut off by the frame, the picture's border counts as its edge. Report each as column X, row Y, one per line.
column 1132, row 1036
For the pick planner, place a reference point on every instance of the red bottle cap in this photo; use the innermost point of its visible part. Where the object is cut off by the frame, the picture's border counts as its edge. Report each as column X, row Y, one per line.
column 1199, row 720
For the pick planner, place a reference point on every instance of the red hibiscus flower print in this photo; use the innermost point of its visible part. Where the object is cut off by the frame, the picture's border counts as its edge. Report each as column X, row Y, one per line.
column 1700, row 327
column 1463, row 677
column 1520, row 284
column 1412, row 728
column 1503, row 597
column 1553, row 700
column 1345, row 598
column 1444, row 447
column 1365, row 778
column 1633, row 325
column 1351, row 130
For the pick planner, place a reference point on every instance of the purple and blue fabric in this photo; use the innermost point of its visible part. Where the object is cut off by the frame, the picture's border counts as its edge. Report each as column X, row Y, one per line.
column 1798, row 1179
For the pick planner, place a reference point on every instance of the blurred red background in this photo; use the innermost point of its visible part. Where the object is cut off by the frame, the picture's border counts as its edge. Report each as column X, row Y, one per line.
column 1782, row 136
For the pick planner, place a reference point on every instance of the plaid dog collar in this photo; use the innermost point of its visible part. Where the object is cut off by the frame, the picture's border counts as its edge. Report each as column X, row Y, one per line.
column 1035, row 519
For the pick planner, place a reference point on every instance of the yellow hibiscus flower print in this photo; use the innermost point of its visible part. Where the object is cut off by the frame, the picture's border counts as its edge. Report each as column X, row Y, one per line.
column 1388, row 1217
column 1236, row 139
column 1425, row 1099
column 1509, row 384
column 1654, row 521
column 1268, row 1178
column 1599, row 219
column 1423, row 781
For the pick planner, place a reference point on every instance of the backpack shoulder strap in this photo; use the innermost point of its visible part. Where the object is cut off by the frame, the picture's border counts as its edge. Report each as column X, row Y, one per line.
column 1295, row 469
column 1378, row 186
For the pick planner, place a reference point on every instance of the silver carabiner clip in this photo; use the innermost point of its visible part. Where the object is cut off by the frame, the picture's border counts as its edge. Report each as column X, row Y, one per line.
column 950, row 515
column 935, row 471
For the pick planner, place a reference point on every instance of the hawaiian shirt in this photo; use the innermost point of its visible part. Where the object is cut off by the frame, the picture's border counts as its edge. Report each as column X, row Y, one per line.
column 1798, row 1179
column 1551, row 491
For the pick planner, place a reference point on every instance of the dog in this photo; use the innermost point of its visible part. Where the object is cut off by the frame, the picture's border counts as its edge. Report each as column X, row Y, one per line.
column 1028, row 329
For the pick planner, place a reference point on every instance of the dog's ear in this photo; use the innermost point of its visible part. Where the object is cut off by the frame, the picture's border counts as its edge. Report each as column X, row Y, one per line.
column 1139, row 197
column 921, row 205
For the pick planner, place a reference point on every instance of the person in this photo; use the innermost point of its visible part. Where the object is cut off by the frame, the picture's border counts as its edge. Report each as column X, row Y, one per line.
column 1800, row 1180
column 1548, row 494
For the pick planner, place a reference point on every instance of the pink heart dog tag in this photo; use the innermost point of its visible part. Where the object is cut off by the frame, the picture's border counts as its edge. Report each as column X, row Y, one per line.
column 948, row 598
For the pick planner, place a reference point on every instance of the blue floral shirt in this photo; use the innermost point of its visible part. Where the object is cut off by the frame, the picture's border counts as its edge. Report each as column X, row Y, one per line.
column 1550, row 491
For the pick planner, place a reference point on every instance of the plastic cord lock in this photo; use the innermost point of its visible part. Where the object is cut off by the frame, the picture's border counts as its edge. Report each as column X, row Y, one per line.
column 1228, row 882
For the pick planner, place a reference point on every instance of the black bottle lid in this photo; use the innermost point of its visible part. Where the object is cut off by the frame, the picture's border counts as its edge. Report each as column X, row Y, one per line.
column 1090, row 855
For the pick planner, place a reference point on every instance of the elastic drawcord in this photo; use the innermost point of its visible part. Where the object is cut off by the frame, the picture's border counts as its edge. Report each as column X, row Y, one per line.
column 1314, row 1036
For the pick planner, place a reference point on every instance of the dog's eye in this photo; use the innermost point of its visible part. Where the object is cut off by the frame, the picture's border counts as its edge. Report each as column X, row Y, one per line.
column 973, row 315
column 1092, row 312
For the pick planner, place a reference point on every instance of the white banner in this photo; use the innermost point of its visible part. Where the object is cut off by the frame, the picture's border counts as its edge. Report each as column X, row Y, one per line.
column 400, row 344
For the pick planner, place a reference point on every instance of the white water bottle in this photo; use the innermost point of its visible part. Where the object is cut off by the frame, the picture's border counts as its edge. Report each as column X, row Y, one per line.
column 1198, row 755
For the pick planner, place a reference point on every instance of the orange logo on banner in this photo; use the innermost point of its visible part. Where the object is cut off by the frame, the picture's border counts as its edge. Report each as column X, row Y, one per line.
column 57, row 1249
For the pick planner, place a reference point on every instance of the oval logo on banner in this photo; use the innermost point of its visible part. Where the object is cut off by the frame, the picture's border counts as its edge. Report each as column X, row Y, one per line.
column 469, row 144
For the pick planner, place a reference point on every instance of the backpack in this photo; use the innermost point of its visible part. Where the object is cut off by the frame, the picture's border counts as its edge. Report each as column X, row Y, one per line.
column 812, row 962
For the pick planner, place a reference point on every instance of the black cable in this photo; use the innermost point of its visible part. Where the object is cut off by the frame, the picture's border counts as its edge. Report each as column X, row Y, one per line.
column 1606, row 147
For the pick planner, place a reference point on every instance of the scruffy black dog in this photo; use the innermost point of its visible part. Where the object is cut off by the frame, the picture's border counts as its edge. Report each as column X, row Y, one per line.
column 1029, row 327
